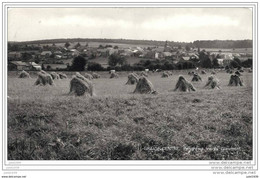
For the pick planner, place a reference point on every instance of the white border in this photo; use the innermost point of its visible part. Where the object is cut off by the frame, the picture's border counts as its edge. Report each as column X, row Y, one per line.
column 126, row 165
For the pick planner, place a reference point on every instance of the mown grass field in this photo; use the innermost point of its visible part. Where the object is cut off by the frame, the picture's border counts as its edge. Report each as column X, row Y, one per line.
column 45, row 123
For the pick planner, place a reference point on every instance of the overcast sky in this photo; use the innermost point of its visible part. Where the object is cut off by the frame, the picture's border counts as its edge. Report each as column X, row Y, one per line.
column 173, row 24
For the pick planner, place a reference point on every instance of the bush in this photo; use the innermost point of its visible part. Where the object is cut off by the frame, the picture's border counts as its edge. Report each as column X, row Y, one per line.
column 168, row 66
column 138, row 67
column 247, row 63
column 234, row 64
column 206, row 63
column 126, row 67
column 78, row 64
column 115, row 59
column 185, row 65
column 93, row 66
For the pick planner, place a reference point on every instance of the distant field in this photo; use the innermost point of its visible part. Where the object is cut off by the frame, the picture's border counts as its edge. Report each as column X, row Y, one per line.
column 121, row 45
column 235, row 50
column 45, row 123
column 96, row 44
column 130, row 60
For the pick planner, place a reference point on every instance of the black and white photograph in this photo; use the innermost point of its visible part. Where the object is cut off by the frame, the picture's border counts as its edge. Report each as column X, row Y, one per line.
column 138, row 83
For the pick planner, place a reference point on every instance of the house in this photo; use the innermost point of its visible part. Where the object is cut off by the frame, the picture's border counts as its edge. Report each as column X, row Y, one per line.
column 185, row 58
column 127, row 52
column 58, row 53
column 227, row 56
column 34, row 66
column 194, row 56
column 102, row 52
column 158, row 49
column 18, row 65
column 46, row 53
column 166, row 54
column 221, row 62
column 14, row 55
column 156, row 55
column 55, row 66
column 152, row 54
column 58, row 56
column 112, row 51
column 73, row 52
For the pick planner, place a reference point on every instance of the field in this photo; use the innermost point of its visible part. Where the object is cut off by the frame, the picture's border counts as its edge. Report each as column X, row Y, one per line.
column 122, row 45
column 96, row 44
column 45, row 123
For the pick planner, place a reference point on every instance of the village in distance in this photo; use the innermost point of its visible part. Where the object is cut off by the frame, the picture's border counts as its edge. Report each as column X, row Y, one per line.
column 127, row 55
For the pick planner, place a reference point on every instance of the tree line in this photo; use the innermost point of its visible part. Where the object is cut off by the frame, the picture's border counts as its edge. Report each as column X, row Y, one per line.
column 196, row 44
column 119, row 63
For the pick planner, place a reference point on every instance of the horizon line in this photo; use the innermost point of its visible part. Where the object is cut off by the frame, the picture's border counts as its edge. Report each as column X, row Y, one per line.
column 125, row 39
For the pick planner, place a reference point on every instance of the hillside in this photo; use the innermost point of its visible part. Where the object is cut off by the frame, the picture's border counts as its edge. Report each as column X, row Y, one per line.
column 197, row 43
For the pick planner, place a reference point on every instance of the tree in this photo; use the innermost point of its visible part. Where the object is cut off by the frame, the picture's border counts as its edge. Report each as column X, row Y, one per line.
column 247, row 63
column 115, row 59
column 26, row 56
column 48, row 67
column 77, row 45
column 37, row 61
column 43, row 68
column 67, row 44
column 237, row 60
column 52, row 55
column 215, row 62
column 206, row 63
column 122, row 60
column 93, row 66
column 234, row 64
column 187, row 47
column 78, row 64
column 101, row 46
column 108, row 46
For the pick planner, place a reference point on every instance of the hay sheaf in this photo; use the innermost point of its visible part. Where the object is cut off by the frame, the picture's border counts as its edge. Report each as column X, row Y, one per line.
column 165, row 74
column 143, row 74
column 95, row 75
column 196, row 78
column 213, row 72
column 114, row 75
column 203, row 72
column 250, row 71
column 229, row 71
column 24, row 74
column 88, row 76
column 183, row 85
column 191, row 73
column 212, row 83
column 238, row 73
column 235, row 80
column 44, row 79
column 81, row 86
column 54, row 75
column 144, row 86
column 62, row 75
column 132, row 79
column 169, row 73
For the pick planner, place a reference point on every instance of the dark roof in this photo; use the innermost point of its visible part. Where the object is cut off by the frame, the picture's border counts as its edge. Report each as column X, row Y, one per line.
column 55, row 66
column 20, row 63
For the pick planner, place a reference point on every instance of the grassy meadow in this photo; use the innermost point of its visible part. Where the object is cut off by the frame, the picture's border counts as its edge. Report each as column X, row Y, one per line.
column 45, row 123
